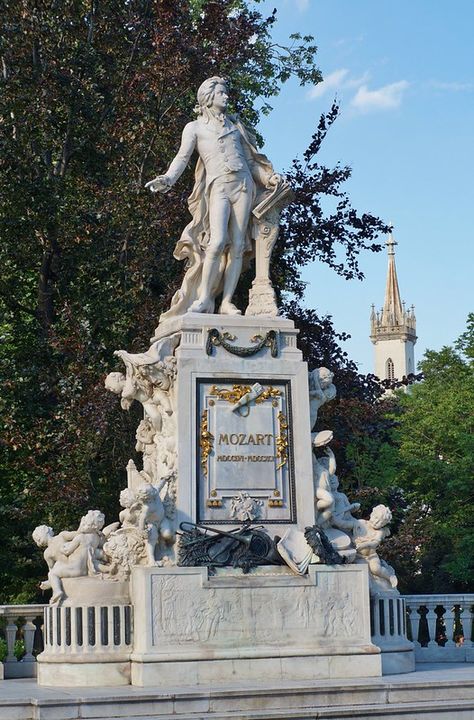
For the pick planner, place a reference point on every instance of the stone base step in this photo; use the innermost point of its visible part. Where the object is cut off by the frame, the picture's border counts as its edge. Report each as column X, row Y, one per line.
column 438, row 692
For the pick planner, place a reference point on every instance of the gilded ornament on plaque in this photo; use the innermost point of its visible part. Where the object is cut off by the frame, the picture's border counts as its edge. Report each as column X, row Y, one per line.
column 282, row 441
column 206, row 442
column 232, row 396
column 214, row 503
column 238, row 391
column 275, row 503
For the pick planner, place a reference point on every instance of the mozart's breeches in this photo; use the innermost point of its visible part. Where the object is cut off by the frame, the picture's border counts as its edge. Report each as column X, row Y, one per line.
column 230, row 204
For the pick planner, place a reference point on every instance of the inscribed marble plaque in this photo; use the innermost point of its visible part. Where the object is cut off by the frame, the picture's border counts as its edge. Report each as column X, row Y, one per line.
column 245, row 452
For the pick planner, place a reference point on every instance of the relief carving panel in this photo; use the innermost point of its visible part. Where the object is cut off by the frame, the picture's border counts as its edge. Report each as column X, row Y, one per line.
column 185, row 611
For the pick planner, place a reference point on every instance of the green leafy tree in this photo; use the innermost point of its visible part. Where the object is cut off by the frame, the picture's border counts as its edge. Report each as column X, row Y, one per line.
column 93, row 99
column 428, row 450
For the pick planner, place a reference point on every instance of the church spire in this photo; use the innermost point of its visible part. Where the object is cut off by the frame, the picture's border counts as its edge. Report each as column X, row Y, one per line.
column 393, row 329
column 392, row 313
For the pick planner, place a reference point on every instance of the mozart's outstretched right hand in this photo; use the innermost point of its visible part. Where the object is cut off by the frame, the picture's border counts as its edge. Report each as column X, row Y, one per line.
column 161, row 183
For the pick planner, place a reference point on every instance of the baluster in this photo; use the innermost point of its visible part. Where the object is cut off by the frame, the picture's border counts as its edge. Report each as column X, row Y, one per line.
column 75, row 647
column 46, row 628
column 431, row 619
column 408, row 626
column 415, row 623
column 449, row 619
column 53, row 629
column 29, row 630
column 98, row 627
column 406, row 619
column 110, row 622
column 10, row 631
column 64, row 647
column 467, row 619
column 403, row 619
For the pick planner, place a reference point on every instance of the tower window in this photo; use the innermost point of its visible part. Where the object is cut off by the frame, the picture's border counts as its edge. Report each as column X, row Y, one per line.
column 389, row 370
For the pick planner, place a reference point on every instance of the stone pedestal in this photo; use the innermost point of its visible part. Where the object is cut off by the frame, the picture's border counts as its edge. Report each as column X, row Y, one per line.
column 226, row 440
column 193, row 629
column 88, row 639
column 263, row 448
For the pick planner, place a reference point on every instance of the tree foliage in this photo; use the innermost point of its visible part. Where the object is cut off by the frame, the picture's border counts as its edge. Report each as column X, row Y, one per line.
column 93, row 99
column 428, row 450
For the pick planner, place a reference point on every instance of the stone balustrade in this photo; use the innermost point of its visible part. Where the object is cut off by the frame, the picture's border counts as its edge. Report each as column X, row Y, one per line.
column 389, row 632
column 88, row 630
column 441, row 627
column 23, row 622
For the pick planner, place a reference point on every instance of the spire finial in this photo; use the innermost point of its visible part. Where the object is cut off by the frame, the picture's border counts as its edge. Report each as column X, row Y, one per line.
column 390, row 241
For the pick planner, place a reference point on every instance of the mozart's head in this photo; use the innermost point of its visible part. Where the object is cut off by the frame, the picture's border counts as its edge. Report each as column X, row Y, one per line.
column 212, row 94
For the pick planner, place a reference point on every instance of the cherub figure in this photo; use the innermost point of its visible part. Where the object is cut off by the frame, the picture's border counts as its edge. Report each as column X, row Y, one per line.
column 151, row 516
column 145, row 444
column 87, row 542
column 245, row 508
column 367, row 535
column 129, row 515
column 78, row 556
column 130, row 388
column 334, row 507
column 44, row 537
column 321, row 391
column 144, row 435
column 323, row 470
column 149, row 379
column 341, row 514
column 143, row 521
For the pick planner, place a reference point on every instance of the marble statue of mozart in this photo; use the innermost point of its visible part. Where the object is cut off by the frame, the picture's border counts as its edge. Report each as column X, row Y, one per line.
column 231, row 179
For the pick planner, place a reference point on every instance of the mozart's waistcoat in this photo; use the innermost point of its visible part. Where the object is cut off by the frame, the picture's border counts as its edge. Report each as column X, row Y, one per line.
column 221, row 152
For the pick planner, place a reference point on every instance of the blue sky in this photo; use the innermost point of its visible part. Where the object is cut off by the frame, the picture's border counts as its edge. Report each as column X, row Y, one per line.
column 404, row 75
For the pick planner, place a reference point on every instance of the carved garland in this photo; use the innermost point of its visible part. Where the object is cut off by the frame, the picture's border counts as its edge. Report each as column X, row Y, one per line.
column 215, row 338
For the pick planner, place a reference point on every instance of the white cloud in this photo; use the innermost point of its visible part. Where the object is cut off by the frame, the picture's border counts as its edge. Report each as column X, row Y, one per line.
column 333, row 81
column 385, row 98
column 355, row 82
column 337, row 80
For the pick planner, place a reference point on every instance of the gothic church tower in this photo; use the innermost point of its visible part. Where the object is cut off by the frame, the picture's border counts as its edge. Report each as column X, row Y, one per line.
column 393, row 329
